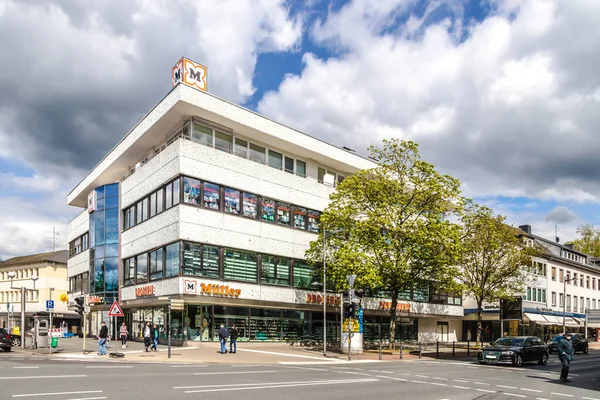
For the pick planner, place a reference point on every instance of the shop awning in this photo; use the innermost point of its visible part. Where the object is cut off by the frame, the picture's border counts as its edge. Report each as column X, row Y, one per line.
column 537, row 318
column 570, row 322
column 579, row 321
column 553, row 319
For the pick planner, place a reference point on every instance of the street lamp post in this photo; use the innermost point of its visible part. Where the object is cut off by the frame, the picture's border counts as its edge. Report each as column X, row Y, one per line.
column 34, row 278
column 565, row 280
column 326, row 235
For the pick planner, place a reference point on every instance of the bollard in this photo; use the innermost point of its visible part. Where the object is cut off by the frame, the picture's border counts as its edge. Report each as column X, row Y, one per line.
column 419, row 349
column 453, row 346
column 437, row 349
column 401, row 350
column 379, row 342
column 468, row 348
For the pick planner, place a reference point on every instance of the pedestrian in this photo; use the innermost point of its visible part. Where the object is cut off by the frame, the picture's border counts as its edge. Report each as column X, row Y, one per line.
column 223, row 335
column 154, row 337
column 123, row 333
column 233, row 339
column 468, row 335
column 103, row 339
column 564, row 348
column 147, row 336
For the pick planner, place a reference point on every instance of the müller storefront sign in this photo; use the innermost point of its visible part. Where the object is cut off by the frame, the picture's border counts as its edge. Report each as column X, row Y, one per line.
column 192, row 287
column 312, row 298
column 386, row 305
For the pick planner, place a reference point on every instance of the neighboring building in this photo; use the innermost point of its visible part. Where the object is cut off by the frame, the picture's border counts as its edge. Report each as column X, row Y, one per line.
column 49, row 271
column 214, row 204
column 543, row 296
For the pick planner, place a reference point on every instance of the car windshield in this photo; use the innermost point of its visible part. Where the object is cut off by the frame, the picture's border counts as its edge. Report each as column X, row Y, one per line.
column 509, row 342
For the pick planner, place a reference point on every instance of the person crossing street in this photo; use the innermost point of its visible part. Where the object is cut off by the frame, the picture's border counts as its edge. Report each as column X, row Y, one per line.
column 564, row 348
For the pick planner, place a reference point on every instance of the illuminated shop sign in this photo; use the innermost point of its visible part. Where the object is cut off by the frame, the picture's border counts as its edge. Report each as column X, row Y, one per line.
column 145, row 291
column 91, row 207
column 386, row 305
column 318, row 299
column 190, row 73
column 191, row 286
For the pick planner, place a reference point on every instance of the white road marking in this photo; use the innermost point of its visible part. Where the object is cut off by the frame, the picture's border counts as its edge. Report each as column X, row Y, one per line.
column 271, row 383
column 482, row 383
column 355, row 373
column 283, row 354
column 275, row 385
column 108, row 366
column 460, row 380
column 189, row 366
column 89, row 398
column 437, row 384
column 506, row 387
column 389, row 377
column 390, row 372
column 373, row 370
column 6, row 378
column 541, row 398
column 440, row 379
column 487, row 391
column 515, row 395
column 308, row 368
column 25, row 367
column 561, row 394
column 461, row 387
column 404, row 373
column 234, row 373
column 589, row 398
column 531, row 390
column 55, row 393
column 422, row 376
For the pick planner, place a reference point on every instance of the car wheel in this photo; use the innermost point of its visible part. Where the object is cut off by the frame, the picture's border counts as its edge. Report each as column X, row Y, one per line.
column 586, row 349
column 543, row 360
column 518, row 360
column 15, row 342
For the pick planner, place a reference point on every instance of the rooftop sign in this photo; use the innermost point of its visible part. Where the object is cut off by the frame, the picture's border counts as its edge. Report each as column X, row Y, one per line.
column 190, row 73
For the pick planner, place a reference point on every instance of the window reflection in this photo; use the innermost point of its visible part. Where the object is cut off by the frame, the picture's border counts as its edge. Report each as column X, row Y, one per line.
column 211, row 196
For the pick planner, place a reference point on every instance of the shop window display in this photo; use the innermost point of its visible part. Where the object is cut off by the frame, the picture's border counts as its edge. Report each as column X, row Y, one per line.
column 268, row 210
column 313, row 220
column 212, row 196
column 240, row 265
column 250, row 205
column 283, row 214
column 299, row 218
column 232, row 201
column 191, row 191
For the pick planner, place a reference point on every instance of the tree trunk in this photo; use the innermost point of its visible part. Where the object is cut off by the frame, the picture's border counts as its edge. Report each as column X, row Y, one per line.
column 393, row 318
column 479, row 327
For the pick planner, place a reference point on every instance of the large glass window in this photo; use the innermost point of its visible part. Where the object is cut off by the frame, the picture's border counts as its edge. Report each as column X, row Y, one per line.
column 212, row 196
column 299, row 217
column 268, row 210
column 99, row 275
column 191, row 191
column 241, row 148
column 210, row 261
column 240, row 265
column 275, row 270
column 192, row 259
column 301, row 168
column 257, row 153
column 304, row 275
column 250, row 205
column 275, row 159
column 152, row 205
column 140, row 208
column 232, row 201
column 159, row 200
column 313, row 220
column 202, row 135
column 223, row 141
column 112, row 226
column 99, row 220
column 127, row 218
column 289, row 165
column 172, row 260
column 142, row 268
column 111, row 270
column 129, row 271
column 156, row 264
column 283, row 214
column 145, row 209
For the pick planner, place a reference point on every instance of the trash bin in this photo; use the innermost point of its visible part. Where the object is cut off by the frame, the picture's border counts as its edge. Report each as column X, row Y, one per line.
column 54, row 343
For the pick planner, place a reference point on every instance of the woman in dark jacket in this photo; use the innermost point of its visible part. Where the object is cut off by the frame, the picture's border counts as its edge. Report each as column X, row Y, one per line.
column 233, row 339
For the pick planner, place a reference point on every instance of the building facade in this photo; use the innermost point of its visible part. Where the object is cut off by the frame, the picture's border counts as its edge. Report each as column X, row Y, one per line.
column 217, row 206
column 45, row 275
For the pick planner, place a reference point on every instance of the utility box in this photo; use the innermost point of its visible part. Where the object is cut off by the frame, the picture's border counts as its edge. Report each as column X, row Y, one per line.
column 41, row 332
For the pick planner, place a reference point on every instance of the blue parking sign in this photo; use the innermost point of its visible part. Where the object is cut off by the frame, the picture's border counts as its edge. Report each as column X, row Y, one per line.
column 50, row 304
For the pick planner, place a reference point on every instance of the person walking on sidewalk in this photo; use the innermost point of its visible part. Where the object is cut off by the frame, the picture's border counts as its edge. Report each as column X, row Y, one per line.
column 564, row 348
column 154, row 338
column 233, row 339
column 103, row 339
column 123, row 333
column 147, row 336
column 223, row 335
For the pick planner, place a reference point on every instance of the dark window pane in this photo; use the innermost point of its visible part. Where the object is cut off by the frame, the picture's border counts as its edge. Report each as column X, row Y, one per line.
column 257, row 153
column 176, row 185
column 275, row 159
column 283, row 271
column 223, row 141
column 112, row 226
column 99, row 276
column 275, row 270
column 100, row 192
column 283, row 214
column 240, row 266
column 99, row 204
column 192, row 259
column 126, row 218
column 210, row 261
column 301, row 168
column 111, row 202
column 142, row 268
column 172, row 260
column 156, row 264
column 92, row 230
column 250, row 205
column 304, row 275
column 191, row 191
column 169, row 195
column 140, row 214
column 241, row 148
column 159, row 200
column 111, row 274
column 202, row 135
column 299, row 217
column 232, row 201
column 212, row 196
column 145, row 209
column 313, row 220
column 111, row 190
column 132, row 216
column 112, row 250
column 152, row 205
column 99, row 220
column 129, row 271
column 268, row 210
column 289, row 165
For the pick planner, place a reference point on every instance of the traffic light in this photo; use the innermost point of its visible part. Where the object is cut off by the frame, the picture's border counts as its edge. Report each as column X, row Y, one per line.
column 350, row 310
column 359, row 293
column 79, row 305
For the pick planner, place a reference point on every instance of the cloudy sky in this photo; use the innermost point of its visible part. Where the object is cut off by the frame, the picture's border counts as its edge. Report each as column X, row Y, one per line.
column 504, row 95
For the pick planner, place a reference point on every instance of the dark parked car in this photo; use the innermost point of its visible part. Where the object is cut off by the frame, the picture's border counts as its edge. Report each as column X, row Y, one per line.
column 580, row 343
column 515, row 350
column 5, row 340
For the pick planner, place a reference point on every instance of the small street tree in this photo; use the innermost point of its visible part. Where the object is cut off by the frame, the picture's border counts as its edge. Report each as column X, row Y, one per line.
column 494, row 259
column 393, row 233
column 588, row 241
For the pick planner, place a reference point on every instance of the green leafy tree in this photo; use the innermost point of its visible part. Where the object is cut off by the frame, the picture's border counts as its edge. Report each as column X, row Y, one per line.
column 393, row 232
column 494, row 258
column 588, row 241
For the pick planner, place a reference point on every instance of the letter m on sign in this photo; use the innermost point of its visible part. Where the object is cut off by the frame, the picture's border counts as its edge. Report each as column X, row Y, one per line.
column 190, row 286
column 194, row 74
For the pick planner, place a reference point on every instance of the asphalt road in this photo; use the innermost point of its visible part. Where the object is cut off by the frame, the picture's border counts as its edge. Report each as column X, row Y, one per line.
column 28, row 377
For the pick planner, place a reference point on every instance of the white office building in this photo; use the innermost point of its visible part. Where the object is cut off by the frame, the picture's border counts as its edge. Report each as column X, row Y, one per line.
column 209, row 202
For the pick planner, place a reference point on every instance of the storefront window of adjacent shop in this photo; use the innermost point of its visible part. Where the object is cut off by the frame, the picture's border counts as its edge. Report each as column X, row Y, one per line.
column 129, row 270
column 212, row 196
column 172, row 260
column 268, row 210
column 304, row 275
column 156, row 264
column 142, row 268
column 240, row 265
column 250, row 205
column 313, row 221
column 299, row 218
column 232, row 201
column 283, row 214
column 191, row 191
column 275, row 270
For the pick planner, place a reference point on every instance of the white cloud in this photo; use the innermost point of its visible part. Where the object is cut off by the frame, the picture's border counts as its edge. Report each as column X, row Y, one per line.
column 561, row 215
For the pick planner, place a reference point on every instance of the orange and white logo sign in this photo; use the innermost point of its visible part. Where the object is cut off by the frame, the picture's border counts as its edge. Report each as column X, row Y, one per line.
column 190, row 73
